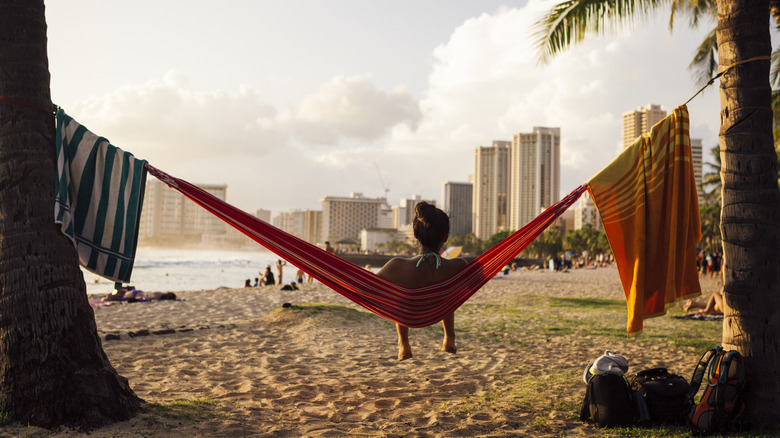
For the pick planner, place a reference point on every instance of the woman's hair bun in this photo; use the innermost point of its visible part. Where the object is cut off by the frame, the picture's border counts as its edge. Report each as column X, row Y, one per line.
column 423, row 211
column 431, row 226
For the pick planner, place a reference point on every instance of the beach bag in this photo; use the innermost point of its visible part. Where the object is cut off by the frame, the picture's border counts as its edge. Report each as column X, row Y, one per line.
column 665, row 396
column 721, row 405
column 607, row 401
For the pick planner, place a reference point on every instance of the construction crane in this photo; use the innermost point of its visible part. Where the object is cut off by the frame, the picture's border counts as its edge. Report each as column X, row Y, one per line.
column 384, row 186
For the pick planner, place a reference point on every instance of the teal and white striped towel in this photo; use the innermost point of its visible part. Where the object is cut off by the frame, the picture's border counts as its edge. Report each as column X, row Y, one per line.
column 98, row 199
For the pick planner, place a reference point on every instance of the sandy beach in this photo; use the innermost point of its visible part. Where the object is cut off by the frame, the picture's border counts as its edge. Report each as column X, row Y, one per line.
column 233, row 362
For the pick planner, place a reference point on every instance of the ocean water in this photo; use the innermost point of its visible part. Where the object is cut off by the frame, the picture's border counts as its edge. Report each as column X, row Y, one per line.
column 171, row 270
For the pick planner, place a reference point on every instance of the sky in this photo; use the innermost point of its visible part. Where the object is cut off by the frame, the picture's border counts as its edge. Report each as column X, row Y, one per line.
column 289, row 102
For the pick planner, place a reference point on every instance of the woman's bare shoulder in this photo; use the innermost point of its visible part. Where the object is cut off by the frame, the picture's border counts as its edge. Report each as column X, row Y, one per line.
column 393, row 266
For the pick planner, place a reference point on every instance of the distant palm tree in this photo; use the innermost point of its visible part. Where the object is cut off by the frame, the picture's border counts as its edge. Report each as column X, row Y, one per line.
column 750, row 194
column 711, row 182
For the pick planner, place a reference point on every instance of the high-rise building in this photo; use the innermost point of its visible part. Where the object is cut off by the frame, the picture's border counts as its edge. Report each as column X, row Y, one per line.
column 167, row 216
column 345, row 217
column 312, row 226
column 457, row 198
column 639, row 121
column 585, row 212
column 491, row 189
column 696, row 153
column 305, row 224
column 264, row 215
column 534, row 174
column 403, row 214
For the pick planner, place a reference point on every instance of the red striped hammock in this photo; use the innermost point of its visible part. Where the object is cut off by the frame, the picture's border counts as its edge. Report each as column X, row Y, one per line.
column 418, row 307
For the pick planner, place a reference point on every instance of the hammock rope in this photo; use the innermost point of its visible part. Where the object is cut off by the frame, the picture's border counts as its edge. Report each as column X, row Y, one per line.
column 417, row 307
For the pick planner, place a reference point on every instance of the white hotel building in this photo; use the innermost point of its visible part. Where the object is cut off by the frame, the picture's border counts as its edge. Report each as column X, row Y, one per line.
column 345, row 217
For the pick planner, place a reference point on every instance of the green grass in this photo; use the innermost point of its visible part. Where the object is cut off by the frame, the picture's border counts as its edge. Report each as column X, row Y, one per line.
column 587, row 323
column 528, row 318
column 195, row 409
column 581, row 304
column 5, row 418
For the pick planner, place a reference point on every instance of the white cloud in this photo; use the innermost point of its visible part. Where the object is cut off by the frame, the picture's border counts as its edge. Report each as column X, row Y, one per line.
column 349, row 107
column 168, row 120
column 484, row 85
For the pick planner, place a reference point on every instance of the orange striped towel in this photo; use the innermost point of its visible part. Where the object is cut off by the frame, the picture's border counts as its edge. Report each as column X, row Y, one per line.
column 648, row 204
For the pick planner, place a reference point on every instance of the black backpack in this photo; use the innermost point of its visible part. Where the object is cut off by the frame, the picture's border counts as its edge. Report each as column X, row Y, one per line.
column 608, row 401
column 664, row 394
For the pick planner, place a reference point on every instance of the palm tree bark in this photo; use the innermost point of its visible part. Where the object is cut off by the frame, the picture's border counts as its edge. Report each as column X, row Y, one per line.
column 53, row 370
column 750, row 218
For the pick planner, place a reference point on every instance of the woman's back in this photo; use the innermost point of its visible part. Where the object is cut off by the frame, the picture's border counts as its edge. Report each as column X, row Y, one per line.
column 406, row 272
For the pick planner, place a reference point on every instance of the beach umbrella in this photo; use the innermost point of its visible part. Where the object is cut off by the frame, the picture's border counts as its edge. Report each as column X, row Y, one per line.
column 451, row 252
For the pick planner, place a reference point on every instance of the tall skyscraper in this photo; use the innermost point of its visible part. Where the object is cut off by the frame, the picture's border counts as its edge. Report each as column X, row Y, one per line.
column 535, row 174
column 696, row 152
column 457, row 198
column 344, row 217
column 639, row 121
column 491, row 188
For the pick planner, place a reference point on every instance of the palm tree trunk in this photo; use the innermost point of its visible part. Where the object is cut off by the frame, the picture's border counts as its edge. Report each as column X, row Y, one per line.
column 53, row 370
column 750, row 218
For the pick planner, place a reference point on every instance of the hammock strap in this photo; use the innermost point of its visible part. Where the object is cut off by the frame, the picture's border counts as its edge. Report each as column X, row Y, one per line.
column 417, row 307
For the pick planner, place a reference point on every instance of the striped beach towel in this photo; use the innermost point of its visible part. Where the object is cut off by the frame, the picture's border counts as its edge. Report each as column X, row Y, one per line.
column 98, row 198
column 649, row 206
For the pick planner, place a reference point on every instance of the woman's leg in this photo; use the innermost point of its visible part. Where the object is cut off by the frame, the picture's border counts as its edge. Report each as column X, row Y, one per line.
column 404, row 348
column 714, row 304
column 691, row 304
column 449, row 333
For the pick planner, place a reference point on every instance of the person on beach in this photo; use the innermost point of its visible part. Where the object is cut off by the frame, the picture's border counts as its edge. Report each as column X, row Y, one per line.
column 131, row 294
column 713, row 306
column 268, row 277
column 329, row 248
column 299, row 276
column 431, row 228
column 248, row 283
column 280, row 269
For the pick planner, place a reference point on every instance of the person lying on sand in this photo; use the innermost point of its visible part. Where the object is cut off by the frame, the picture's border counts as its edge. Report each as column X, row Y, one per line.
column 431, row 228
column 713, row 306
column 134, row 295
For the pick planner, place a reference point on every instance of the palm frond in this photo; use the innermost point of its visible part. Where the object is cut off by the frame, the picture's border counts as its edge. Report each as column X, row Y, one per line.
column 776, row 101
column 569, row 22
column 774, row 69
column 694, row 9
column 705, row 62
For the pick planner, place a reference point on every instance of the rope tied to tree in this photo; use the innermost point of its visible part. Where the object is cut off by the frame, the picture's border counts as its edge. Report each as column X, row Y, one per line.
column 53, row 110
column 725, row 70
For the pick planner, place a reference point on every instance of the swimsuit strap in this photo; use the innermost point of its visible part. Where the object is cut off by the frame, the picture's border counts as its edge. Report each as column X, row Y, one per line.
column 428, row 254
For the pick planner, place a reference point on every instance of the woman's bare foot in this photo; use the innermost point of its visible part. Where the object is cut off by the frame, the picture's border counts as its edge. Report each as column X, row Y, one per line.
column 449, row 347
column 404, row 351
column 687, row 305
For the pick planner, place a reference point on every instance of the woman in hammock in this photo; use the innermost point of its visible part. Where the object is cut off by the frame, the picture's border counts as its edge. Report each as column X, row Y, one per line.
column 431, row 228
